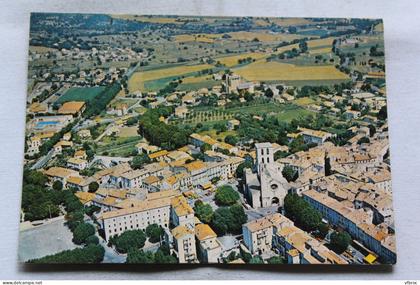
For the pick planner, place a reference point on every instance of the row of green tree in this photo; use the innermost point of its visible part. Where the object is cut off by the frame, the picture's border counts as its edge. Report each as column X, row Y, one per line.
column 88, row 254
column 304, row 215
column 83, row 233
column 99, row 103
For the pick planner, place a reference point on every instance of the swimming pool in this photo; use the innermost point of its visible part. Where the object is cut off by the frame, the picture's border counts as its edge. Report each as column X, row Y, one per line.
column 44, row 124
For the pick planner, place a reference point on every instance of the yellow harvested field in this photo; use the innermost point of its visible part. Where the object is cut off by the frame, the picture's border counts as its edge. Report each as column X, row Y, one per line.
column 230, row 61
column 137, row 80
column 320, row 42
column 260, row 71
column 262, row 22
column 40, row 49
column 320, row 50
column 286, row 48
column 263, row 36
column 233, row 60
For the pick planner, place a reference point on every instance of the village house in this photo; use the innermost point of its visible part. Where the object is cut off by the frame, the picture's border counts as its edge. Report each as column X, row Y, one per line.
column 184, row 244
column 209, row 248
column 258, row 234
column 77, row 163
column 314, row 136
column 60, row 174
column 298, row 247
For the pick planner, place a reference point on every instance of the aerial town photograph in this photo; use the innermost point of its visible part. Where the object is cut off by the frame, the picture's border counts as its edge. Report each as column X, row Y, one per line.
column 202, row 140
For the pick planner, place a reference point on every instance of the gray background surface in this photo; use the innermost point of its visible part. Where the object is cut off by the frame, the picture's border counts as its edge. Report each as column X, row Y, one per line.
column 402, row 43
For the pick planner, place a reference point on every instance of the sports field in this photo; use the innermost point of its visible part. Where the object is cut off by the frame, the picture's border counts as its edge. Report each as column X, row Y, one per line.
column 85, row 94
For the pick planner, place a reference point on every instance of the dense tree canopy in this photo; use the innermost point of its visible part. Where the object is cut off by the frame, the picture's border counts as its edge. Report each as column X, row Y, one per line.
column 140, row 160
column 39, row 201
column 340, row 241
column 226, row 195
column 133, row 239
column 204, row 212
column 289, row 173
column 82, row 232
column 57, row 185
column 88, row 254
column 160, row 134
column 299, row 211
column 275, row 260
column 228, row 219
column 161, row 256
column 93, row 186
column 155, row 233
column 230, row 139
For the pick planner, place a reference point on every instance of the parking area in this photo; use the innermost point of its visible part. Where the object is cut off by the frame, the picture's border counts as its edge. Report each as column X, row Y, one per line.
column 43, row 240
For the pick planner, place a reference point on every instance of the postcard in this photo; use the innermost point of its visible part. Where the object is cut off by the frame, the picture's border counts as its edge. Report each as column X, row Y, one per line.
column 190, row 139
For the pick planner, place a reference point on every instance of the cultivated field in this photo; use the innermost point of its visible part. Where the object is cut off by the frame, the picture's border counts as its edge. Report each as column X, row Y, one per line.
column 233, row 59
column 263, row 36
column 321, row 42
column 138, row 79
column 276, row 71
column 321, row 50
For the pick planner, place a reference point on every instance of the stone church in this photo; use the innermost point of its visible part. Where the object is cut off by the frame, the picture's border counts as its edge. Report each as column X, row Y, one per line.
column 265, row 185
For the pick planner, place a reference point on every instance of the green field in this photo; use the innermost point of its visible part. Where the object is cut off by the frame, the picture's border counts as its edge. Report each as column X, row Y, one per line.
column 118, row 146
column 291, row 112
column 85, row 94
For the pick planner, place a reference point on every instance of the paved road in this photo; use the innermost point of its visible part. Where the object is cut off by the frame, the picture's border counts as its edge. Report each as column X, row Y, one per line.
column 42, row 161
